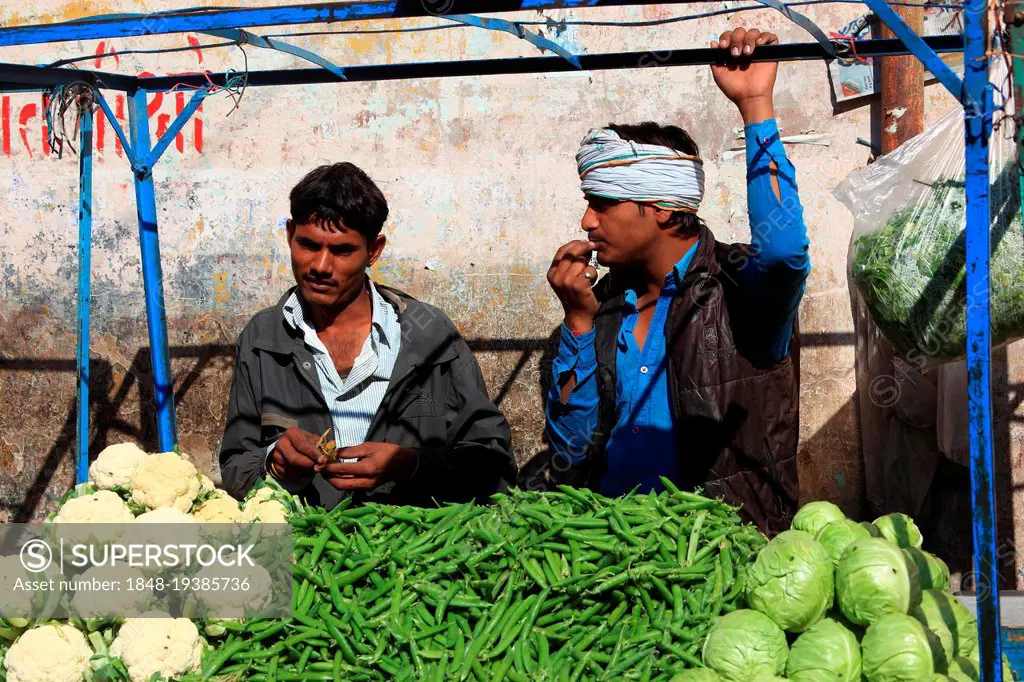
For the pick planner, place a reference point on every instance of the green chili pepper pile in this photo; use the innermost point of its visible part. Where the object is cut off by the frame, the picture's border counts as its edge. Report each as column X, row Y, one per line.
column 562, row 585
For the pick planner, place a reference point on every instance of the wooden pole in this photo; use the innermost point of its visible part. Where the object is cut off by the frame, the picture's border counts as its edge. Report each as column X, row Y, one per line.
column 902, row 85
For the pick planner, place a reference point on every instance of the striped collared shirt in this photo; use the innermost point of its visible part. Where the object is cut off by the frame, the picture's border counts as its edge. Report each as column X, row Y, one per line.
column 354, row 400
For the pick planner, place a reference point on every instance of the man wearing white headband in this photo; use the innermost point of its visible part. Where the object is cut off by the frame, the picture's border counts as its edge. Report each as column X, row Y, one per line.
column 678, row 363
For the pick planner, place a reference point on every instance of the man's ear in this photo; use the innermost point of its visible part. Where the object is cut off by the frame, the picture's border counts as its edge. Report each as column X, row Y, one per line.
column 664, row 217
column 290, row 228
column 376, row 247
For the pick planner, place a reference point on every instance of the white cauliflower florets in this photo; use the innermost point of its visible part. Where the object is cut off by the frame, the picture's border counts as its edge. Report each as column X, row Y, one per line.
column 55, row 652
column 233, row 600
column 260, row 495
column 112, row 603
column 150, row 530
column 115, row 465
column 222, row 508
column 155, row 643
column 165, row 515
column 264, row 511
column 20, row 603
column 205, row 484
column 102, row 506
column 165, row 480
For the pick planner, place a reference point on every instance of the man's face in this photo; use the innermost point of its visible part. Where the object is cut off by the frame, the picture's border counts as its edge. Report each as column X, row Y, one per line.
column 624, row 236
column 329, row 262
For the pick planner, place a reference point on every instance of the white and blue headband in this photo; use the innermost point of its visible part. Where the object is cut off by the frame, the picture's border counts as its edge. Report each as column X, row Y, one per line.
column 623, row 170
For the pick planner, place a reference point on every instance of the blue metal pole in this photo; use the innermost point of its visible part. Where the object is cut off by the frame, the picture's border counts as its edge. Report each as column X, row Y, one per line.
column 152, row 277
column 977, row 98
column 123, row 25
column 84, row 285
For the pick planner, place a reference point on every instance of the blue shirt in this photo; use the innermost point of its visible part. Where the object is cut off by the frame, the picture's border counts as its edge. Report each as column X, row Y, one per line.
column 643, row 443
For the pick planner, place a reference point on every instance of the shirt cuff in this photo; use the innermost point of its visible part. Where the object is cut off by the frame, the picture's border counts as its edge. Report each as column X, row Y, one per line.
column 574, row 351
column 764, row 143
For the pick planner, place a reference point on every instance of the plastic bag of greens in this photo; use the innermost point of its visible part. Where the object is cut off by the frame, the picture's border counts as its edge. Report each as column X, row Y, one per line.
column 907, row 254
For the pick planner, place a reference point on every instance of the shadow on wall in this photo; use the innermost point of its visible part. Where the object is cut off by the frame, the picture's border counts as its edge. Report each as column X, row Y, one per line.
column 106, row 401
column 945, row 519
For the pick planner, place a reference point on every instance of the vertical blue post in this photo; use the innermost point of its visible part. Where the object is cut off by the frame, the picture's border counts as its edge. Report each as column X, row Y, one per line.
column 84, row 283
column 152, row 276
column 977, row 98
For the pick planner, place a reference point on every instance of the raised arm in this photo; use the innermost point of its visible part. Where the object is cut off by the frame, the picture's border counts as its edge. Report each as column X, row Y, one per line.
column 777, row 270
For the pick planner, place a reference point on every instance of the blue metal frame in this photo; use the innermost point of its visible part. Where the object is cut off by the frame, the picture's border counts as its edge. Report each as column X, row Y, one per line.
column 973, row 91
column 84, row 286
column 180, row 22
column 152, row 277
column 977, row 101
column 476, row 67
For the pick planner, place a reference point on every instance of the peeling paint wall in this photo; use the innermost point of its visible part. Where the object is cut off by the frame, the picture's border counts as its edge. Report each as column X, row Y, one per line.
column 480, row 178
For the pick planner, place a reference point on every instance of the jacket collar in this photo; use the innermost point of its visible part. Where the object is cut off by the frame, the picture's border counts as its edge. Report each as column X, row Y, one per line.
column 427, row 335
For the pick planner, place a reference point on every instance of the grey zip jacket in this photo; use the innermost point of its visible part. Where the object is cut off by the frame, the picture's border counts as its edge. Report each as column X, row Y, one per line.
column 436, row 402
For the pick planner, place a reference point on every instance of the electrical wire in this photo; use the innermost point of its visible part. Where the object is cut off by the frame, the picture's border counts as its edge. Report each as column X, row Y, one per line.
column 622, row 24
column 166, row 50
column 560, row 24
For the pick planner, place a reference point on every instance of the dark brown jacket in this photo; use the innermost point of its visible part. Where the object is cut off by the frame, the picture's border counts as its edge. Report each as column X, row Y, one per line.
column 735, row 410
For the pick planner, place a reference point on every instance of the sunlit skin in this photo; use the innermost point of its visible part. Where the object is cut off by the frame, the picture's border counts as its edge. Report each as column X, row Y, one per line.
column 329, row 263
column 623, row 236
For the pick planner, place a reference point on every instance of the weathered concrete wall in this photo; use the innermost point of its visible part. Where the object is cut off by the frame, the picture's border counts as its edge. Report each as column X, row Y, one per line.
column 480, row 177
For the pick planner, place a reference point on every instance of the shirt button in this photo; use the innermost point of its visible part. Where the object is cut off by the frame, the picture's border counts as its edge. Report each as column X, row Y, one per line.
column 636, row 429
column 643, row 370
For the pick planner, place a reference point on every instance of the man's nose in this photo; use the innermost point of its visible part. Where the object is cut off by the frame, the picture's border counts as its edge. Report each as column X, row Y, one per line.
column 589, row 221
column 321, row 263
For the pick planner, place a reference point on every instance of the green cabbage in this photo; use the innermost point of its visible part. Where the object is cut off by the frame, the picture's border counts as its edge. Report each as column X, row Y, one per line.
column 896, row 649
column 968, row 669
column 826, row 652
column 838, row 535
column 745, row 644
column 871, row 528
column 951, row 624
column 814, row 516
column 873, row 578
column 696, row 675
column 792, row 581
column 933, row 570
column 899, row 529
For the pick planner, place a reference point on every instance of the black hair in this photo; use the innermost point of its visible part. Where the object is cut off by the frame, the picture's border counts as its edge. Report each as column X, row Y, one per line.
column 340, row 194
column 687, row 223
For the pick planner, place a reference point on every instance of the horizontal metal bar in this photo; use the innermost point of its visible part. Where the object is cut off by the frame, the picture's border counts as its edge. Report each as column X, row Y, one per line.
column 593, row 62
column 18, row 75
column 92, row 28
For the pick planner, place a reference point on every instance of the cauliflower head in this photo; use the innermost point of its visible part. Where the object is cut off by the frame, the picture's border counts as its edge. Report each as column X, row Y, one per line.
column 206, row 484
column 232, row 603
column 48, row 653
column 115, row 466
column 149, row 529
column 165, row 515
column 165, row 480
column 102, row 506
column 19, row 604
column 156, row 643
column 263, row 511
column 222, row 508
column 107, row 604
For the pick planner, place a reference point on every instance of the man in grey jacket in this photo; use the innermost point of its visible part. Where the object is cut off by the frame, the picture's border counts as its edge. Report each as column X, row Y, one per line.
column 386, row 376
